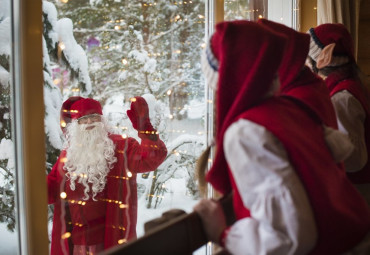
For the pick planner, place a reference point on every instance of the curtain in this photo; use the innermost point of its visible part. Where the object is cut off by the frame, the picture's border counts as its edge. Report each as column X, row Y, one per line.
column 346, row 12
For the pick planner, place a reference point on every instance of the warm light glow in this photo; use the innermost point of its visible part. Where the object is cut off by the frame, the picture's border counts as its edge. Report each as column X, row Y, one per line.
column 64, row 1
column 260, row 16
column 57, row 81
column 66, row 235
column 124, row 136
column 133, row 99
column 122, row 206
column 121, row 241
column 63, row 123
column 63, row 195
column 129, row 174
column 169, row 92
column 170, row 116
column 124, row 61
column 62, row 46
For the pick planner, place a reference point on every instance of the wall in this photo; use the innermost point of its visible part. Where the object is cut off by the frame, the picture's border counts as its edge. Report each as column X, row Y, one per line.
column 308, row 14
column 364, row 37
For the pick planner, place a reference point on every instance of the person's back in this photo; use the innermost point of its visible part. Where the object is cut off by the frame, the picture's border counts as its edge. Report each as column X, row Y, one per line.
column 331, row 56
column 341, row 214
column 262, row 148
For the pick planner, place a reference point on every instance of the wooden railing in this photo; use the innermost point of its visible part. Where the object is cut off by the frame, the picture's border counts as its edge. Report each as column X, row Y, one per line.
column 176, row 232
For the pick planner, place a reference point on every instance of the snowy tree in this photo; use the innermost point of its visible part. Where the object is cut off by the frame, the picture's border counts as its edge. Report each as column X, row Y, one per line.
column 141, row 46
column 59, row 50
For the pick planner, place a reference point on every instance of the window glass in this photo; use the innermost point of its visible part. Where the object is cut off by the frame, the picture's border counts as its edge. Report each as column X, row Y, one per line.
column 126, row 55
column 281, row 11
column 8, row 209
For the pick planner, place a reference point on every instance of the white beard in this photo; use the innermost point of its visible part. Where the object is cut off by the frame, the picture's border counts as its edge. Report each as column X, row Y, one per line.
column 90, row 156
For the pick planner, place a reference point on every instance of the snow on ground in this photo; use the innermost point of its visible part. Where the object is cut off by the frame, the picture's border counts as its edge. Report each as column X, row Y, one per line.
column 8, row 241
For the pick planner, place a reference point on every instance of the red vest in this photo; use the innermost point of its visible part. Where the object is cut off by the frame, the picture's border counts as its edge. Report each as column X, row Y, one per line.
column 353, row 87
column 341, row 214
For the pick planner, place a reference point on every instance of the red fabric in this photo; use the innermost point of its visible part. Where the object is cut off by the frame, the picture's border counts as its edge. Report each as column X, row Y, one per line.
column 65, row 112
column 326, row 34
column 139, row 115
column 296, row 80
column 339, row 81
column 249, row 56
column 103, row 221
column 342, row 215
column 85, row 106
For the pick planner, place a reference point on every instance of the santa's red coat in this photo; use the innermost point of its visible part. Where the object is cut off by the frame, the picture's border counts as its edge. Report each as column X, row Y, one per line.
column 112, row 218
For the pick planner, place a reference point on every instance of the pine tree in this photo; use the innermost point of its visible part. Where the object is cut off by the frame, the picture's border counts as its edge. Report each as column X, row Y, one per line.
column 54, row 32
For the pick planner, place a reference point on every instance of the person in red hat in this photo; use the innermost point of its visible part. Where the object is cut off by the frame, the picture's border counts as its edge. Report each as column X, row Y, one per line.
column 289, row 195
column 299, row 83
column 331, row 56
column 93, row 183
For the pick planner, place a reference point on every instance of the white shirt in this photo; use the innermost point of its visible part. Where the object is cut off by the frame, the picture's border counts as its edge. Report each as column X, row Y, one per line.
column 282, row 220
column 351, row 117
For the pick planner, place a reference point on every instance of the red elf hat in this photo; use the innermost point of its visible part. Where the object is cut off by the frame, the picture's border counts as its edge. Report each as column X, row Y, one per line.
column 246, row 56
column 326, row 34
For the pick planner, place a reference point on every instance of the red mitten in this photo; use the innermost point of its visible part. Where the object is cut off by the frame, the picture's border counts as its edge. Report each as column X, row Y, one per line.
column 139, row 116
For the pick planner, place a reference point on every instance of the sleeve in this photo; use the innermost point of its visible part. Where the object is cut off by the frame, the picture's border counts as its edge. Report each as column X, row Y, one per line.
column 282, row 220
column 351, row 117
column 53, row 183
column 145, row 156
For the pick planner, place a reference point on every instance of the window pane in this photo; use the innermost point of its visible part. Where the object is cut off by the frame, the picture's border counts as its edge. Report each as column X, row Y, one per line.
column 281, row 11
column 113, row 51
column 8, row 217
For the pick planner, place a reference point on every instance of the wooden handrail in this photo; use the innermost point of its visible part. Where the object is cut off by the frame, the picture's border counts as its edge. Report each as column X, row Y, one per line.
column 176, row 232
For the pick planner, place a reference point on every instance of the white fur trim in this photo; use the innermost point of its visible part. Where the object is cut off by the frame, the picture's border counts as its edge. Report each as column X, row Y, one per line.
column 210, row 74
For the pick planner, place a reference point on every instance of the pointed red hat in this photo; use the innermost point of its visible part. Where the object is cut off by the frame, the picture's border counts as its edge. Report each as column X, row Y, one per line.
column 297, row 80
column 295, row 53
column 246, row 56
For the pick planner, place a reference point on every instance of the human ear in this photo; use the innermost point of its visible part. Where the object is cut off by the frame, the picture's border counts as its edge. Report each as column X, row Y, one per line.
column 325, row 56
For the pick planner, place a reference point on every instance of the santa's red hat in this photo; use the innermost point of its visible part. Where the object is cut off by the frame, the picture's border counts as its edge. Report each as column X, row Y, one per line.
column 245, row 56
column 85, row 106
column 65, row 111
column 326, row 34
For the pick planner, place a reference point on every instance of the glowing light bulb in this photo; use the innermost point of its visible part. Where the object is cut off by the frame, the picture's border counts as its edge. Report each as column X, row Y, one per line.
column 63, row 195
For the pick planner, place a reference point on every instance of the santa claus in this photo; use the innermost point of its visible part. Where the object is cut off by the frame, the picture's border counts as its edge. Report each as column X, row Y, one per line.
column 93, row 183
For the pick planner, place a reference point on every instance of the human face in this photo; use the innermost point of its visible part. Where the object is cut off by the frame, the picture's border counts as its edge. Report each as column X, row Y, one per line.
column 89, row 119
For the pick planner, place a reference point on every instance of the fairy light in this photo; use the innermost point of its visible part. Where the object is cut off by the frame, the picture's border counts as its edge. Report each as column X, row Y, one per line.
column 124, row 61
column 121, row 241
column 63, row 123
column 124, row 136
column 61, row 46
column 63, row 195
column 117, row 27
column 66, row 235
column 129, row 174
